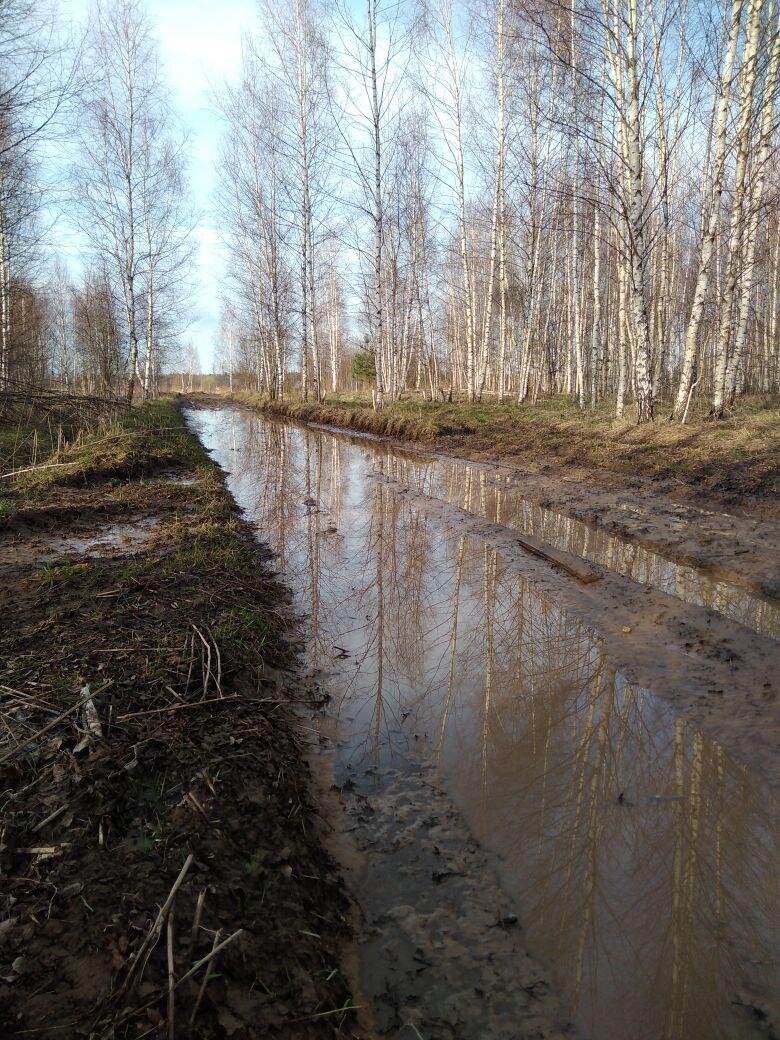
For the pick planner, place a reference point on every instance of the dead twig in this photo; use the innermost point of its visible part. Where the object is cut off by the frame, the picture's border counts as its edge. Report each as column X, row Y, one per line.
column 50, row 818
column 205, row 979
column 193, row 970
column 63, row 715
column 30, row 469
column 219, row 660
column 171, row 974
column 178, row 707
column 206, row 669
column 136, row 969
column 209, row 956
column 324, row 1014
column 36, row 701
column 196, row 923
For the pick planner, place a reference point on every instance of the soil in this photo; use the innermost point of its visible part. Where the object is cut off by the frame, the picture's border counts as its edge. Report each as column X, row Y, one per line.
column 137, row 602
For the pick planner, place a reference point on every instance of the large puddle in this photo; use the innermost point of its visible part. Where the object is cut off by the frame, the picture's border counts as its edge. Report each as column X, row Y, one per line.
column 639, row 858
column 493, row 496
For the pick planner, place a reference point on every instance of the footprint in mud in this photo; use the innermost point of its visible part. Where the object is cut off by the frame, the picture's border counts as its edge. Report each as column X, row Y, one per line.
column 442, row 954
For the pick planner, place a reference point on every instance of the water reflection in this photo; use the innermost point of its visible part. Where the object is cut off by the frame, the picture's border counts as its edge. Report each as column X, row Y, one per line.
column 640, row 856
column 494, row 498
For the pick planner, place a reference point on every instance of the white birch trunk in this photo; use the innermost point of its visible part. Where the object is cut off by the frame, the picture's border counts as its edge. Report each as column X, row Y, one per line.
column 710, row 229
column 737, row 222
column 754, row 208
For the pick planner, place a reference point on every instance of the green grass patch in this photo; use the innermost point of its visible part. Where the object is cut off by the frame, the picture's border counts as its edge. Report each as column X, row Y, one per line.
column 59, row 574
column 242, row 628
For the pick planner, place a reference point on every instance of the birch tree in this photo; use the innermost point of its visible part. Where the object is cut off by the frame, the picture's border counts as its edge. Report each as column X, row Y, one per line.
column 128, row 172
column 739, row 223
column 259, row 204
column 755, row 203
column 528, row 199
column 37, row 75
column 373, row 51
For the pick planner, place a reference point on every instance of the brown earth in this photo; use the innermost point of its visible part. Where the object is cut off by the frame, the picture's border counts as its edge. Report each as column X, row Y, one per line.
column 184, row 637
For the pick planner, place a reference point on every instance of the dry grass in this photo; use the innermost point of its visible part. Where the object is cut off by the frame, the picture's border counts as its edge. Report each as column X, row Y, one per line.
column 734, row 457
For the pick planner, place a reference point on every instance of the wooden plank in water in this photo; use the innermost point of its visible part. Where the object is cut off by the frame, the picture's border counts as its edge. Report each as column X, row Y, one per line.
column 574, row 565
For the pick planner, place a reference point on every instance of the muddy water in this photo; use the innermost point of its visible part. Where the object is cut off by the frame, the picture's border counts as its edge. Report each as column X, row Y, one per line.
column 492, row 495
column 638, row 857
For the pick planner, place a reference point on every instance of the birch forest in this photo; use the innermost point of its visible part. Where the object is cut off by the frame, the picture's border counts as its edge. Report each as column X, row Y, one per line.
column 389, row 519
column 510, row 199
column 481, row 200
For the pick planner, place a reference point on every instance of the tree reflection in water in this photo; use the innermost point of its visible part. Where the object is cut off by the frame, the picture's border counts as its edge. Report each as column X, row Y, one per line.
column 641, row 857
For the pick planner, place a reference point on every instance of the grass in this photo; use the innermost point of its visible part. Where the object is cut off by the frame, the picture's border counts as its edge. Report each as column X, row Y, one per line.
column 25, row 444
column 733, row 457
column 242, row 628
column 52, row 575
column 202, row 549
column 192, row 615
column 140, row 442
column 202, row 566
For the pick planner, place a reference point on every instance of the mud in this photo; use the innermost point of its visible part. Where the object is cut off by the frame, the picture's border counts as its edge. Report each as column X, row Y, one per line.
column 495, row 498
column 103, row 540
column 185, row 641
column 430, row 900
column 741, row 547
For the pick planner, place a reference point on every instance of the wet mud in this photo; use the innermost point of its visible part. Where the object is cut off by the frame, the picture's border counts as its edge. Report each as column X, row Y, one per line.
column 151, row 756
column 430, row 900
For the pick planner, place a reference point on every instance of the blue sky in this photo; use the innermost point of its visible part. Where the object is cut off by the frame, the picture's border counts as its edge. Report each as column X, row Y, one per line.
column 200, row 45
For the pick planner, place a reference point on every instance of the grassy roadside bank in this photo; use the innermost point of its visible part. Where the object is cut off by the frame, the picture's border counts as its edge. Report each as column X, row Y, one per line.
column 182, row 755
column 732, row 459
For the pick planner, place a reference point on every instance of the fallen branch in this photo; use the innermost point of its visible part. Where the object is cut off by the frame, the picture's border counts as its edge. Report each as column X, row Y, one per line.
column 146, row 947
column 50, row 725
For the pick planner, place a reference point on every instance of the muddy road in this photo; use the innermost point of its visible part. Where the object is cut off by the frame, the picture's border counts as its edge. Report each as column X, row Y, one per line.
column 558, row 798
